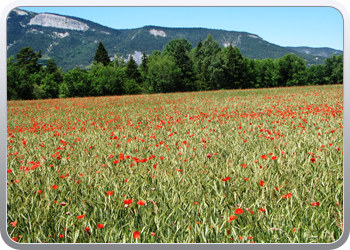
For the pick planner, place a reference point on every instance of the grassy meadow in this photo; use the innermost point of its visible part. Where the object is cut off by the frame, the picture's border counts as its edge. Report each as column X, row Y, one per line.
column 230, row 166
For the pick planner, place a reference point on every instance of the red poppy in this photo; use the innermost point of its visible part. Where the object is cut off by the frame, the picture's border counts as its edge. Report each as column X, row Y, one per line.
column 9, row 171
column 196, row 202
column 226, row 179
column 54, row 186
column 15, row 238
column 273, row 157
column 61, row 236
column 162, row 157
column 100, row 225
column 13, row 224
column 239, row 211
column 244, row 165
column 208, row 156
column 240, row 237
column 262, row 183
column 141, row 203
column 136, row 235
column 264, row 157
column 262, row 210
column 128, row 201
column 313, row 160
column 231, row 218
column 315, row 203
column 153, row 234
column 40, row 191
column 289, row 195
column 109, row 192
column 81, row 216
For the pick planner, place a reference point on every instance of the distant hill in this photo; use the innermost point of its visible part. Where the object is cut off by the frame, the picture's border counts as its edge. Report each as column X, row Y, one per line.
column 72, row 41
column 323, row 52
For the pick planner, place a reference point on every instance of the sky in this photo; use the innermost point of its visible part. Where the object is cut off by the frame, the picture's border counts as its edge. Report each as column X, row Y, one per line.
column 284, row 26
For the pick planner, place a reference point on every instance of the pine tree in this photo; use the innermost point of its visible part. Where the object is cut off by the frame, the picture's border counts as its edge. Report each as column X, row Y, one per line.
column 184, row 63
column 101, row 55
column 131, row 71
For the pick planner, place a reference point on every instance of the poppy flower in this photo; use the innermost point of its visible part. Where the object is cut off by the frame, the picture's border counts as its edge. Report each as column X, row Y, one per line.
column 153, row 234
column 81, row 216
column 100, row 226
column 136, row 235
column 273, row 157
column 141, row 203
column 14, row 238
column 208, row 156
column 128, row 201
column 13, row 224
column 63, row 204
column 264, row 157
column 313, row 160
column 240, row 237
column 289, row 195
column 226, row 179
column 239, row 211
column 61, row 236
column 162, row 157
column 9, row 171
column 231, row 218
column 109, row 192
column 315, row 203
column 262, row 183
column 262, row 210
column 244, row 165
column 196, row 202
column 40, row 191
column 54, row 186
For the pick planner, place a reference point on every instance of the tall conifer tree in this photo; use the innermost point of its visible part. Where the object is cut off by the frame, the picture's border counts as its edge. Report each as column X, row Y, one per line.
column 101, row 55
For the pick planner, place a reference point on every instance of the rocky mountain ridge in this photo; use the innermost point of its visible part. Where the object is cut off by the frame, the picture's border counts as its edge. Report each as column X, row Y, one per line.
column 72, row 41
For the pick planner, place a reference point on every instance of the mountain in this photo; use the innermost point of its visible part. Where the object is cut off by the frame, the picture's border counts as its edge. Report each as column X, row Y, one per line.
column 72, row 41
column 323, row 52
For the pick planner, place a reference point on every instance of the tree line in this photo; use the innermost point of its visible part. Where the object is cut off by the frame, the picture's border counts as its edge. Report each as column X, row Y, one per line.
column 178, row 68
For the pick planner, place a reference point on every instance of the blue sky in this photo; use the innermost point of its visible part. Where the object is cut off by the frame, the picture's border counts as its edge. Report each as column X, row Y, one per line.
column 285, row 26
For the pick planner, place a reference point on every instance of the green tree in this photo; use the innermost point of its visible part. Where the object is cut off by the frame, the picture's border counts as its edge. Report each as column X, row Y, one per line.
column 316, row 75
column 184, row 63
column 162, row 74
column 131, row 70
column 106, row 80
column 27, row 60
column 171, row 46
column 334, row 69
column 101, row 55
column 23, row 74
column 291, row 71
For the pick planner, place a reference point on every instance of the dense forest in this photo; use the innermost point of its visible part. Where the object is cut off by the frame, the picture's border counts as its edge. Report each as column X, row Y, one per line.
column 178, row 68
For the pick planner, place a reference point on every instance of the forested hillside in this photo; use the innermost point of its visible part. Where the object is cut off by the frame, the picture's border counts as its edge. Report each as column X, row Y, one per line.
column 178, row 68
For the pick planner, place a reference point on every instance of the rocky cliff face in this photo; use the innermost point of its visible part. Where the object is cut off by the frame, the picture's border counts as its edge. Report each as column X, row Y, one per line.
column 50, row 20
column 72, row 41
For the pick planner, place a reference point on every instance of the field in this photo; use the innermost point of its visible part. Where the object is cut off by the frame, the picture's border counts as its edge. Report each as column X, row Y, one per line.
column 230, row 166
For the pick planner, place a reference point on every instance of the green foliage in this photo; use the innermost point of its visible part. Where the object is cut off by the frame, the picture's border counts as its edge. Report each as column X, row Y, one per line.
column 334, row 69
column 205, row 67
column 101, row 55
column 106, row 80
column 291, row 71
column 172, row 45
column 163, row 74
